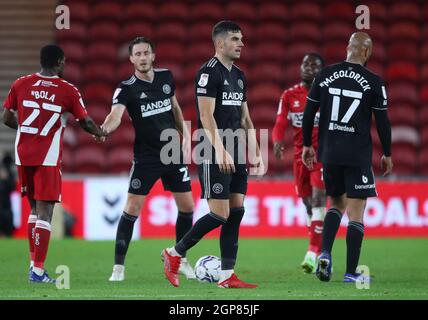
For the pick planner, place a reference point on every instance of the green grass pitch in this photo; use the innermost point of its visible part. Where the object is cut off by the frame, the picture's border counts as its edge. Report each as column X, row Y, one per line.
column 399, row 267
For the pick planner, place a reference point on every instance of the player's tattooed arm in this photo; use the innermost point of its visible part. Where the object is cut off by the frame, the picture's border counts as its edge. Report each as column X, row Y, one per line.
column 91, row 127
column 9, row 119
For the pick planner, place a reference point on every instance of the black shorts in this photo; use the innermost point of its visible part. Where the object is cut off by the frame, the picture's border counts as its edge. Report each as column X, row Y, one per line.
column 219, row 185
column 356, row 182
column 175, row 177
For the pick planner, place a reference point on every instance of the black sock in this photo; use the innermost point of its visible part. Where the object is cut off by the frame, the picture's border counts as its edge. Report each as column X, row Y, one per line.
column 182, row 226
column 201, row 227
column 123, row 237
column 229, row 238
column 331, row 225
column 354, row 239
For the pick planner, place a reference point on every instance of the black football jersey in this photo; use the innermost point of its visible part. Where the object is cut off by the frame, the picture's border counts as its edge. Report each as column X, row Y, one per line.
column 347, row 93
column 149, row 105
column 229, row 90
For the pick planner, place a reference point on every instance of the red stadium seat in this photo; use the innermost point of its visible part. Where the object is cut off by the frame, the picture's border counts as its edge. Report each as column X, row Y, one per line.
column 305, row 30
column 98, row 92
column 377, row 32
column 297, row 51
column 241, row 11
column 77, row 31
column 340, row 31
column 79, row 11
column 405, row 10
column 271, row 32
column 126, row 70
column 269, row 72
column 104, row 31
column 102, row 51
column 378, row 54
column 292, row 74
column 89, row 159
column 67, row 165
column 405, row 135
column 306, row 11
column 101, row 72
column 424, row 94
column 403, row 114
column 98, row 112
column 123, row 136
column 191, row 70
column 403, row 50
column 423, row 117
column 273, row 12
column 377, row 11
column 201, row 31
column 424, row 52
column 405, row 158
column 74, row 51
column 270, row 51
column 177, row 71
column 424, row 137
column 423, row 162
column 403, row 92
column 73, row 72
column 206, row 12
column 141, row 11
column 404, row 31
column 402, row 71
column 264, row 114
column 170, row 52
column 85, row 139
column 171, row 31
column 264, row 93
column 107, row 11
column 334, row 52
column 137, row 29
column 187, row 95
column 201, row 52
column 119, row 160
column 335, row 11
column 376, row 67
column 173, row 11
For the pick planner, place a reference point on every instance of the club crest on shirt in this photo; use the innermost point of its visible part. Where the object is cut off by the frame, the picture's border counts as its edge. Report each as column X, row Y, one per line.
column 166, row 89
column 241, row 83
column 203, row 80
column 296, row 104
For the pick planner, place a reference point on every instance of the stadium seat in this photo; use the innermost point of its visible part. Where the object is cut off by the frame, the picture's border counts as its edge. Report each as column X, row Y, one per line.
column 269, row 72
column 404, row 10
column 73, row 72
column 67, row 164
column 200, row 32
column 98, row 111
column 404, row 31
column 334, row 52
column 296, row 52
column 292, row 74
column 206, row 12
column 378, row 54
column 424, row 137
column 80, row 11
column 119, row 159
column 78, row 32
column 264, row 93
column 74, row 51
column 173, row 11
column 306, row 11
column 403, row 50
column 270, row 51
column 108, row 31
column 170, row 52
column 377, row 11
column 423, row 116
column 141, row 11
column 404, row 92
column 123, row 136
column 85, row 139
column 335, row 11
column 273, row 12
column 187, row 95
column 190, row 71
column 405, row 135
column 377, row 32
column 423, row 162
column 424, row 94
column 104, row 51
column 264, row 114
column 125, row 71
column 101, row 72
column 98, row 92
column 172, row 31
column 136, row 29
column 241, row 11
column 304, row 30
column 271, row 32
column 376, row 67
column 401, row 71
column 176, row 69
column 90, row 159
column 405, row 159
column 337, row 31
column 107, row 11
column 403, row 114
column 201, row 52
column 424, row 52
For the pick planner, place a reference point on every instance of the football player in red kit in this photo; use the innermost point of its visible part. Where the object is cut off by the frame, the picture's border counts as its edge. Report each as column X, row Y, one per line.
column 309, row 183
column 34, row 107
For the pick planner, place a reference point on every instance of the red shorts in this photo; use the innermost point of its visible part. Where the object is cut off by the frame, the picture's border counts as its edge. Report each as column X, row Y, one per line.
column 40, row 182
column 305, row 179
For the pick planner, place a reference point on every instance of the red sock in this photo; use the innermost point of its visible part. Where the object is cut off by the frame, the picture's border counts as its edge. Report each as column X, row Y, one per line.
column 30, row 232
column 315, row 238
column 42, row 234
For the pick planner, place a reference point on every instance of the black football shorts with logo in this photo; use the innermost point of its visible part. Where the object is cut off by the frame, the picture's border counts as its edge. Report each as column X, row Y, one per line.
column 356, row 182
column 175, row 177
column 219, row 185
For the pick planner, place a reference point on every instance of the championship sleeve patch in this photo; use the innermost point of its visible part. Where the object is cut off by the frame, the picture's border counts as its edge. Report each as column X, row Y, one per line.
column 203, row 80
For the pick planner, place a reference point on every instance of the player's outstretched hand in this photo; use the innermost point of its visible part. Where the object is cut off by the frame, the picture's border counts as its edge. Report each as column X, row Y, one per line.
column 386, row 165
column 308, row 157
column 278, row 150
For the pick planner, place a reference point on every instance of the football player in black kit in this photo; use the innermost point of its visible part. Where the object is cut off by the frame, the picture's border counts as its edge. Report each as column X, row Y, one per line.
column 149, row 98
column 347, row 95
column 222, row 104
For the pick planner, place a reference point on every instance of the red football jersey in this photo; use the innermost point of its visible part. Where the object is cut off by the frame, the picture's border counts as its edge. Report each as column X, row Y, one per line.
column 40, row 102
column 291, row 107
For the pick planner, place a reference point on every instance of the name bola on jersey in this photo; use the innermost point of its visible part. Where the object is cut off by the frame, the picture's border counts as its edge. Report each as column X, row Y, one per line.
column 157, row 107
column 345, row 74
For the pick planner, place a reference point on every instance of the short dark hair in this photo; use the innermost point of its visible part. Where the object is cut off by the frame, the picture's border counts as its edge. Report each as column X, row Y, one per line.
column 49, row 56
column 316, row 56
column 138, row 40
column 223, row 27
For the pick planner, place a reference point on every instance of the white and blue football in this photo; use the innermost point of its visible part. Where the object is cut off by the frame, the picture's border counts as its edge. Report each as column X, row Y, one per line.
column 207, row 269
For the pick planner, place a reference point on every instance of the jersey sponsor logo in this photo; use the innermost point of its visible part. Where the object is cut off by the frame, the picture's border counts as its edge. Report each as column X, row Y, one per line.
column 203, row 80
column 201, row 90
column 232, row 98
column 217, row 188
column 364, row 186
column 166, row 89
column 116, row 94
column 44, row 83
column 335, row 127
column 136, row 183
column 365, row 179
column 143, row 95
column 296, row 119
column 157, row 107
column 241, row 83
column 43, row 95
column 345, row 74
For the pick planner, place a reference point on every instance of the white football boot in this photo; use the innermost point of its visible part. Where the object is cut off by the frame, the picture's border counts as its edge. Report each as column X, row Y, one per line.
column 118, row 273
column 186, row 269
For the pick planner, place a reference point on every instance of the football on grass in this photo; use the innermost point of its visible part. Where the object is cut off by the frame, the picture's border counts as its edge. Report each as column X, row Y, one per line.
column 207, row 269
